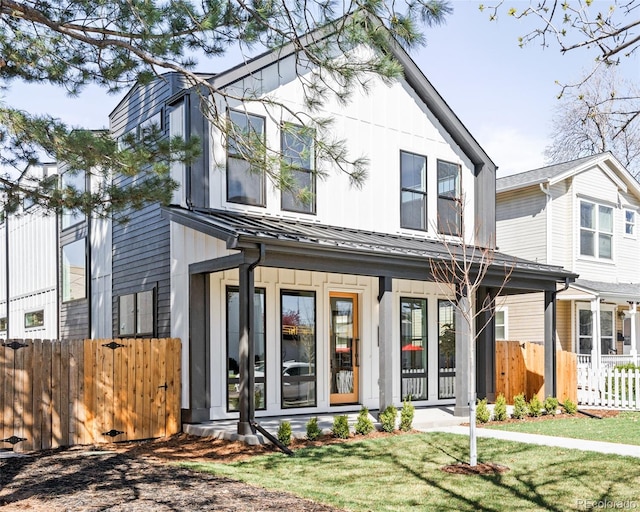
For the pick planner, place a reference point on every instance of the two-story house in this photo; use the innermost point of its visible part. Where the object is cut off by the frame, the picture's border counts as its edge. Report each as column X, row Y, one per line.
column 581, row 215
column 286, row 306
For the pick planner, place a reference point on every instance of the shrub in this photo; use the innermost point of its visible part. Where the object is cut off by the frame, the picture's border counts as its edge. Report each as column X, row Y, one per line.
column 388, row 418
column 284, row 433
column 483, row 414
column 535, row 406
column 551, row 405
column 520, row 409
column 406, row 415
column 500, row 409
column 570, row 406
column 363, row 425
column 340, row 427
column 313, row 430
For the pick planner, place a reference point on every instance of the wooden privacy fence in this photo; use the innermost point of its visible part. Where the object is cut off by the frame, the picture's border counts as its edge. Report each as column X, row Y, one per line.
column 520, row 369
column 60, row 393
column 609, row 387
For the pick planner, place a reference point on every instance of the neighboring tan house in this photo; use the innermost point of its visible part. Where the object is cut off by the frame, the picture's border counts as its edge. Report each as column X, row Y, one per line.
column 337, row 293
column 581, row 215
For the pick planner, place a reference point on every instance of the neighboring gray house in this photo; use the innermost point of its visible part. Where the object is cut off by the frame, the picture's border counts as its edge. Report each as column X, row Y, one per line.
column 581, row 215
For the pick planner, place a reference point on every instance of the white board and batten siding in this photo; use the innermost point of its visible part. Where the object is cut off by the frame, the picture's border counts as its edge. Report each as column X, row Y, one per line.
column 377, row 125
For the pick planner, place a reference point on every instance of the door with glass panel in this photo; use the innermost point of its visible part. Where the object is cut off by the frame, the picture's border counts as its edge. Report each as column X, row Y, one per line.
column 344, row 348
column 413, row 349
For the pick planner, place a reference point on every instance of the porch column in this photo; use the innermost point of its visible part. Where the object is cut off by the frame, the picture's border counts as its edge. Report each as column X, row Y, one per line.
column 596, row 348
column 550, row 378
column 385, row 342
column 246, row 404
column 486, row 345
column 199, row 360
column 633, row 315
column 464, row 367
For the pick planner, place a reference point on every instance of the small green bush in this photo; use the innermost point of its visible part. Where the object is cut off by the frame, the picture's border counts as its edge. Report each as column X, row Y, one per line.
column 570, row 406
column 535, row 406
column 284, row 433
column 500, row 409
column 520, row 409
column 364, row 425
column 340, row 427
column 406, row 415
column 483, row 414
column 388, row 418
column 551, row 405
column 313, row 430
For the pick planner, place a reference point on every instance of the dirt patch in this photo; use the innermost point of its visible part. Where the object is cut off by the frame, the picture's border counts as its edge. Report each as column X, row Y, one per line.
column 482, row 468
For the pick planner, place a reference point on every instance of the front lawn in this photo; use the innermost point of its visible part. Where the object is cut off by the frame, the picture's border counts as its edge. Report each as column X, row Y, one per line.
column 624, row 428
column 403, row 473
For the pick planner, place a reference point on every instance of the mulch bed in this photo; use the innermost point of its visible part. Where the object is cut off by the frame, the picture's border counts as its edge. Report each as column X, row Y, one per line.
column 481, row 468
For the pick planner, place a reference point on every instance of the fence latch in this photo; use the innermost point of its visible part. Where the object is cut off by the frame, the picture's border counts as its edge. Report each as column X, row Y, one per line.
column 15, row 345
column 113, row 345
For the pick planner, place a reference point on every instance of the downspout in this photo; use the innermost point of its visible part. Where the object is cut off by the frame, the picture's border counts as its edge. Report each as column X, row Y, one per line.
column 548, row 243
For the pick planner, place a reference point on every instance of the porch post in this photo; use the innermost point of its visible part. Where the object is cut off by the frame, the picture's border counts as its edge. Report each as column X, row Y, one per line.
column 464, row 369
column 550, row 378
column 246, row 403
column 199, row 360
column 385, row 342
column 596, row 348
column 486, row 353
column 634, row 333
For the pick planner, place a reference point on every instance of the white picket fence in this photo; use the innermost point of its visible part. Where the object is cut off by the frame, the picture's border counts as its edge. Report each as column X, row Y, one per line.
column 609, row 387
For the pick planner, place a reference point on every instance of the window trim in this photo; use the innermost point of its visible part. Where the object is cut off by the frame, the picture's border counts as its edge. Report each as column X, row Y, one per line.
column 505, row 312
column 154, row 312
column 311, row 208
column 34, row 312
column 633, row 223
column 596, row 231
column 424, row 193
column 457, row 199
column 263, row 185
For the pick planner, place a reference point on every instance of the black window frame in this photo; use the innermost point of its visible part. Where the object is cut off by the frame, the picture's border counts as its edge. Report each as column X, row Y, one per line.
column 410, row 190
column 64, row 300
column 424, row 340
column 154, row 313
column 288, row 129
column 259, row 174
column 450, row 374
column 452, row 202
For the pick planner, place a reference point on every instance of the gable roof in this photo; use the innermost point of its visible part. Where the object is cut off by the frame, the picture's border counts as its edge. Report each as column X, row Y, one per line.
column 556, row 173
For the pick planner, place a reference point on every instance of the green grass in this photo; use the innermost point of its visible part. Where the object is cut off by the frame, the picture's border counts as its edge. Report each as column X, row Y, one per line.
column 624, row 428
column 403, row 473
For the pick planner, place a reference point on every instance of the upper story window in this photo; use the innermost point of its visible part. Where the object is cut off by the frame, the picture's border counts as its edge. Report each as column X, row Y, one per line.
column 298, row 168
column 245, row 159
column 630, row 223
column 449, row 200
column 413, row 191
column 78, row 181
column 178, row 127
column 596, row 230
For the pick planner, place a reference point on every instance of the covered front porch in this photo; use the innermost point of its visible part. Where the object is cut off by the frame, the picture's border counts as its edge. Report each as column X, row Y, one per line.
column 389, row 276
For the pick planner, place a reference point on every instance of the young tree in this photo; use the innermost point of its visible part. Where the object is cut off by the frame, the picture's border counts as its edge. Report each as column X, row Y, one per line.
column 609, row 30
column 114, row 44
column 463, row 271
column 592, row 119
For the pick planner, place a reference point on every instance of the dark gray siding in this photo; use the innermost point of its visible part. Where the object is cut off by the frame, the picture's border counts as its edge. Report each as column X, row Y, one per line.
column 141, row 247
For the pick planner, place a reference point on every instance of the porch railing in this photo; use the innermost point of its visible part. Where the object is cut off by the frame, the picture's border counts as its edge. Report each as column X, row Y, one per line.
column 609, row 361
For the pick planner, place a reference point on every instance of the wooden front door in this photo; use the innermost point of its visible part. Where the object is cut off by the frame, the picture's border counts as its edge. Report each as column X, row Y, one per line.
column 344, row 348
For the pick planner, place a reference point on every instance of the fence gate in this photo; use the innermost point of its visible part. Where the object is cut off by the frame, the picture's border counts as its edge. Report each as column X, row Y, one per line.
column 59, row 393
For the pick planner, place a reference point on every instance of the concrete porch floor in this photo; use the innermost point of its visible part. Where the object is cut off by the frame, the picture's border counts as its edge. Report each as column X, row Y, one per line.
column 425, row 418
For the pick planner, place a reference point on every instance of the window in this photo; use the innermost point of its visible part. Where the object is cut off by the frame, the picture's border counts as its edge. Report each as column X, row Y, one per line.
column 298, row 161
column 245, row 168
column 3, row 324
column 136, row 314
column 449, row 201
column 596, row 230
column 501, row 324
column 178, row 127
column 34, row 319
column 74, row 271
column 630, row 223
column 585, row 332
column 413, row 191
column 77, row 181
column 446, row 349
column 413, row 348
column 233, row 348
column 607, row 345
column 298, row 348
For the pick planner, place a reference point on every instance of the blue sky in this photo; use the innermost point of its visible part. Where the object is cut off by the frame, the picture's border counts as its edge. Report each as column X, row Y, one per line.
column 504, row 94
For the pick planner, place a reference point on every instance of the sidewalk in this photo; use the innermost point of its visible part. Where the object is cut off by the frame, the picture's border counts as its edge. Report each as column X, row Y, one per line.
column 560, row 442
